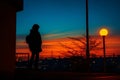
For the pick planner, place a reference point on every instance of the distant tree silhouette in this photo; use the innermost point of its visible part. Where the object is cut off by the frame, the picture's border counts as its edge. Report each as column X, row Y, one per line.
column 93, row 44
column 78, row 62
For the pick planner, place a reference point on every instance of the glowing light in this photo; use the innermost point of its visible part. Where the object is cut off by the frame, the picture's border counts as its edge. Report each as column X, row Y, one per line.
column 103, row 32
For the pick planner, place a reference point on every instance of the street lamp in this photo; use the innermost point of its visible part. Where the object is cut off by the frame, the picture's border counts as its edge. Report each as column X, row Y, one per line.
column 104, row 32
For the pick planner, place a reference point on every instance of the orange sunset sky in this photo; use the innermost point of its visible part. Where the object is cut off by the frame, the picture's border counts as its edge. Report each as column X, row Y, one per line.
column 62, row 47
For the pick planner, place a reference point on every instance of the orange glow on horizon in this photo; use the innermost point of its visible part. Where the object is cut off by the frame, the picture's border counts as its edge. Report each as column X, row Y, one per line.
column 53, row 48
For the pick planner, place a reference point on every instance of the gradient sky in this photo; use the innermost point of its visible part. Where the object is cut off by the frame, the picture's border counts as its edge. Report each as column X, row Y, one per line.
column 60, row 19
column 68, row 16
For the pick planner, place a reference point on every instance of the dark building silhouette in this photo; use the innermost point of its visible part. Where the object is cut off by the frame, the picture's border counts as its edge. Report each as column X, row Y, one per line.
column 8, row 34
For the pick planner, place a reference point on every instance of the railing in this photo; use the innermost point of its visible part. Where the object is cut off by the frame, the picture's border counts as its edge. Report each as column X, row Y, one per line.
column 22, row 57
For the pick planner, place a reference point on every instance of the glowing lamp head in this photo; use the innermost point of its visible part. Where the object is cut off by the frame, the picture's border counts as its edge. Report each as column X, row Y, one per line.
column 103, row 32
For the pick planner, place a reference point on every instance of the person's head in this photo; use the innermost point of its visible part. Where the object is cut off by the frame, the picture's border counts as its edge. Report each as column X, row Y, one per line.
column 35, row 27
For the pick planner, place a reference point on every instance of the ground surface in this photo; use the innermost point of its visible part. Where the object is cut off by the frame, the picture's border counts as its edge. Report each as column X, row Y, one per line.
column 38, row 75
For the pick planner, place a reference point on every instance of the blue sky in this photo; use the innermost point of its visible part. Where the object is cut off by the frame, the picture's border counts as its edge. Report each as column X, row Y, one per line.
column 67, row 17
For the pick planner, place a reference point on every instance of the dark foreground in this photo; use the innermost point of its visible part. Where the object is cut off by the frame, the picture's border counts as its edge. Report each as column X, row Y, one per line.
column 38, row 75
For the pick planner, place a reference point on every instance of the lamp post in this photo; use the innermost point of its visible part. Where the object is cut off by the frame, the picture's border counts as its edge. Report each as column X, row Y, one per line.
column 104, row 32
column 87, row 37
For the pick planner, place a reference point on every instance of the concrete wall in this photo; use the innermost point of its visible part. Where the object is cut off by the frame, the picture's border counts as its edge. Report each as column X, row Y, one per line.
column 7, row 37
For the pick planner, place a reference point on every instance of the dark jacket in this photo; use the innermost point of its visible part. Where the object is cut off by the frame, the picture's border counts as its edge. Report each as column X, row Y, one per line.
column 34, row 41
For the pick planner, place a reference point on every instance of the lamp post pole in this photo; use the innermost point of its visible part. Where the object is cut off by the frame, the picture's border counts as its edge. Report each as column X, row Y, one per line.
column 87, row 38
column 104, row 52
column 104, row 33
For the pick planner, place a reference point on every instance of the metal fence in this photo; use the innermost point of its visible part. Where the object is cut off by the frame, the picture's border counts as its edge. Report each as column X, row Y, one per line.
column 20, row 57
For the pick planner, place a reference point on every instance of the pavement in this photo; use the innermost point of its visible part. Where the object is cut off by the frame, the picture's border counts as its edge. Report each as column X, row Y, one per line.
column 39, row 75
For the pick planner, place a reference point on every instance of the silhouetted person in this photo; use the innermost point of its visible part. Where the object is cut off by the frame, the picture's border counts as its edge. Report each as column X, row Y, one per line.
column 34, row 42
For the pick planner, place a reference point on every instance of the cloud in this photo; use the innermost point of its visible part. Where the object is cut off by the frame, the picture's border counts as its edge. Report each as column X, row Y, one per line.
column 61, row 35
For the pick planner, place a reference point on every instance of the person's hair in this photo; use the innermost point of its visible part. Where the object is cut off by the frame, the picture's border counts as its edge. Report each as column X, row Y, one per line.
column 35, row 27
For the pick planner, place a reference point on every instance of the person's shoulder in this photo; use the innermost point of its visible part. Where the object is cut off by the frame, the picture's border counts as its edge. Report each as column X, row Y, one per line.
column 38, row 33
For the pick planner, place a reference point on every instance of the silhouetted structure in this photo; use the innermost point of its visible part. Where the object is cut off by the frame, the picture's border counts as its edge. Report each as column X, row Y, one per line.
column 34, row 41
column 8, row 36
